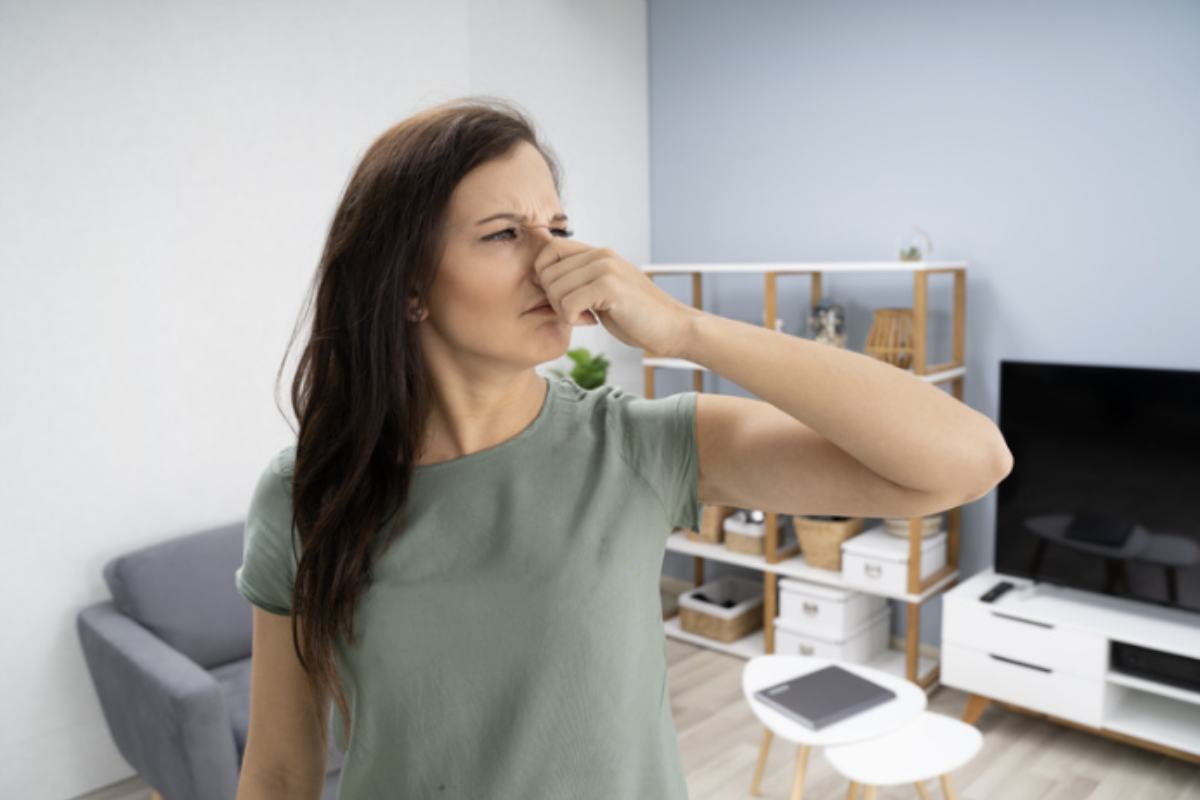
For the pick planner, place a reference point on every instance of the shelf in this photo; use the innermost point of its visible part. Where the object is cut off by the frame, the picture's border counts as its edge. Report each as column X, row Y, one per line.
column 672, row 363
column 1155, row 718
column 1154, row 687
column 668, row 362
column 749, row 646
column 948, row 374
column 794, row 567
column 803, row 267
column 890, row 661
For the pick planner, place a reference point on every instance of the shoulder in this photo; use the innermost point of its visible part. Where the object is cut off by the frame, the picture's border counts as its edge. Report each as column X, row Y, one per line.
column 638, row 422
column 274, row 489
column 284, row 462
column 630, row 408
column 644, row 423
column 609, row 397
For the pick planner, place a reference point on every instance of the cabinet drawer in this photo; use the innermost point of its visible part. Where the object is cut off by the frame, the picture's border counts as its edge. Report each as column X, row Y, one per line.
column 1006, row 633
column 1029, row 685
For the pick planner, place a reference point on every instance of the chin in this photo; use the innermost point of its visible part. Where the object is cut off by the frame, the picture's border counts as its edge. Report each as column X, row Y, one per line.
column 553, row 342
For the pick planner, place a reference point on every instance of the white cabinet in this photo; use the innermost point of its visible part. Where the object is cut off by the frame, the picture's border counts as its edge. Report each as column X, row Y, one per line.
column 1047, row 649
column 1022, row 637
column 1051, row 691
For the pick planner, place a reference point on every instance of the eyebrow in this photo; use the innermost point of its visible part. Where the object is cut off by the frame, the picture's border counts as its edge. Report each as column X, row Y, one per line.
column 519, row 217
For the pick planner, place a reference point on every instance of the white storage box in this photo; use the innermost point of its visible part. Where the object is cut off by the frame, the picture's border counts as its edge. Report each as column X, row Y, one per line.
column 878, row 562
column 859, row 647
column 824, row 610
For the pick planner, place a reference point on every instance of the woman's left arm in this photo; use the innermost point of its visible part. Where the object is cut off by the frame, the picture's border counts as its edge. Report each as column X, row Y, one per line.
column 902, row 428
column 898, row 425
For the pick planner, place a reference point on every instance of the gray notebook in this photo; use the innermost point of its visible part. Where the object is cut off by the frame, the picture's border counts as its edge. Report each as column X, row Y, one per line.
column 824, row 697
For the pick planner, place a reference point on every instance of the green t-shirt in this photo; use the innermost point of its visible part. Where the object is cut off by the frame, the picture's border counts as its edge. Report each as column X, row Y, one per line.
column 511, row 642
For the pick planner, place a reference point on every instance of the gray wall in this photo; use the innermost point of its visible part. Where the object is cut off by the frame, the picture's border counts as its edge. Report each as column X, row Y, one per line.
column 1055, row 146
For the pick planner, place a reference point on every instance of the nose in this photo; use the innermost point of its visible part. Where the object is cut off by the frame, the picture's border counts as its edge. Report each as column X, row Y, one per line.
column 538, row 241
column 531, row 226
column 538, row 238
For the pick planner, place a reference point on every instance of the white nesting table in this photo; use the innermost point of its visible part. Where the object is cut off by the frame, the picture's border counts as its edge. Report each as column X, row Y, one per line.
column 930, row 746
column 762, row 671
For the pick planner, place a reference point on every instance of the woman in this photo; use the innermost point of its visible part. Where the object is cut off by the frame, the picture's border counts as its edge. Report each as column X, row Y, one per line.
column 473, row 576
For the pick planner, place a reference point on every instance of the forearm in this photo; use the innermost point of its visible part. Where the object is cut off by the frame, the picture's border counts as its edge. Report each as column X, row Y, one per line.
column 258, row 785
column 898, row 425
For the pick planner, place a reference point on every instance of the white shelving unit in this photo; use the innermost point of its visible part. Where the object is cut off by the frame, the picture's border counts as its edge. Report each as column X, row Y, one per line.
column 908, row 661
column 793, row 567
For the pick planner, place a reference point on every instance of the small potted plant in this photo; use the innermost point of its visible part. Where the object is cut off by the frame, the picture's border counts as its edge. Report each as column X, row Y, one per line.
column 589, row 371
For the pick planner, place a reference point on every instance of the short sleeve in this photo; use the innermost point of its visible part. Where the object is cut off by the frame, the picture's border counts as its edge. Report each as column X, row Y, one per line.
column 659, row 438
column 268, row 568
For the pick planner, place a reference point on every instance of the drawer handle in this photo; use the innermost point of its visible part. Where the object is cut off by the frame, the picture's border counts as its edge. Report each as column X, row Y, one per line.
column 806, row 649
column 1026, row 621
column 1014, row 662
column 872, row 570
column 810, row 608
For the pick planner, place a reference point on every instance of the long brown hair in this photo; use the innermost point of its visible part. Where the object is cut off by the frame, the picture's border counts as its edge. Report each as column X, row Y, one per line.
column 360, row 391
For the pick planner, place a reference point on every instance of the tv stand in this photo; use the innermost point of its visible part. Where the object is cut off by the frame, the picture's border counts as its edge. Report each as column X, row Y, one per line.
column 1047, row 651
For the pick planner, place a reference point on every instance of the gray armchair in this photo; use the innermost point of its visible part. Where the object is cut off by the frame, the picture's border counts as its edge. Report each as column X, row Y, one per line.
column 170, row 659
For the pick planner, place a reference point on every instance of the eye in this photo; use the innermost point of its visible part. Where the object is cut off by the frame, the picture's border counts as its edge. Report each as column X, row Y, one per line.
column 496, row 237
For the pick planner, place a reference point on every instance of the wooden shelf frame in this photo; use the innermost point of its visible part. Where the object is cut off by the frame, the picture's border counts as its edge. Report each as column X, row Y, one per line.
column 952, row 372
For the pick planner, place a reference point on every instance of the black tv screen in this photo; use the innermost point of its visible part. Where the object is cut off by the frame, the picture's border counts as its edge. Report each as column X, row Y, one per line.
column 1104, row 493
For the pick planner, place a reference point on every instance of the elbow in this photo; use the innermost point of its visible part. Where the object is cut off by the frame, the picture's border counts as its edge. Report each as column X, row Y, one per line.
column 1000, row 464
column 1002, row 461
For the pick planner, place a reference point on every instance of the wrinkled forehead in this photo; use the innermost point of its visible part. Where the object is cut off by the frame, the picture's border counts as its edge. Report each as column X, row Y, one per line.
column 521, row 186
column 508, row 209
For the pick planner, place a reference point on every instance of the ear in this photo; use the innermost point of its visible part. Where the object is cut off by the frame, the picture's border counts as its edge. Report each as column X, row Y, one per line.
column 415, row 312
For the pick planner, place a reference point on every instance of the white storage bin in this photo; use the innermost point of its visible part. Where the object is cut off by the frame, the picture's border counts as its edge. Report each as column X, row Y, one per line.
column 824, row 610
column 878, row 562
column 859, row 647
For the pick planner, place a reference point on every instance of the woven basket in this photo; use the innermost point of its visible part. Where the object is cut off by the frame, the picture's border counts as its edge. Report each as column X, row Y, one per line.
column 746, row 543
column 711, row 521
column 753, row 544
column 890, row 338
column 821, row 540
column 725, row 625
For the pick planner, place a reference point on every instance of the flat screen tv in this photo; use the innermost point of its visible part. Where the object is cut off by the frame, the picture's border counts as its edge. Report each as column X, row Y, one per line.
column 1104, row 493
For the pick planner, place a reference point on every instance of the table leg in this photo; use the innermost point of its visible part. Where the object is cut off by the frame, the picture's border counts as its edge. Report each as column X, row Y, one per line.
column 947, row 787
column 801, row 768
column 852, row 792
column 924, row 795
column 976, row 705
column 763, row 749
column 871, row 791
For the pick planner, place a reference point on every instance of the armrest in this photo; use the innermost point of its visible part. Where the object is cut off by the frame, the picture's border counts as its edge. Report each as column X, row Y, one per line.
column 166, row 714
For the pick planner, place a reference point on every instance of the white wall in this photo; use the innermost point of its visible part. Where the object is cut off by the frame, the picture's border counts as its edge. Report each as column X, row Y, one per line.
column 167, row 174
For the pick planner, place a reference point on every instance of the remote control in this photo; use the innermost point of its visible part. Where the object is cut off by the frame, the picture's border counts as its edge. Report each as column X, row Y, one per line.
column 996, row 591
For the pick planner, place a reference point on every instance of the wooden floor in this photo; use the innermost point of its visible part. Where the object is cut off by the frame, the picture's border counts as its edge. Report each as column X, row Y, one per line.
column 1022, row 758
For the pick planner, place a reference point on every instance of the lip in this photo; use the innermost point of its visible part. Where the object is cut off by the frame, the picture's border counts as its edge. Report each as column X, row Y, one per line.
column 539, row 307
